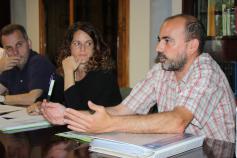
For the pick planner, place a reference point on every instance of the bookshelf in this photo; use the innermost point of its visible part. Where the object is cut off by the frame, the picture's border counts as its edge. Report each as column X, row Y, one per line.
column 219, row 18
column 220, row 21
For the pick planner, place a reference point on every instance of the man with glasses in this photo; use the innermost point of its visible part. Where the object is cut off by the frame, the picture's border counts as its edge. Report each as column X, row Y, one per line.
column 26, row 74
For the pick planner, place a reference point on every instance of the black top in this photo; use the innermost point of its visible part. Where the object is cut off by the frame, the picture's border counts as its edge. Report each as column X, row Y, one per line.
column 101, row 87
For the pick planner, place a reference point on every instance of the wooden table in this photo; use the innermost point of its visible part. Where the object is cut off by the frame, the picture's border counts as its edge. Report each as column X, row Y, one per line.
column 44, row 144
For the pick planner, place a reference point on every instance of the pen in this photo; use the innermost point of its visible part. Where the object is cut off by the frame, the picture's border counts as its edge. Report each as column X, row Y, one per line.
column 4, row 113
column 51, row 84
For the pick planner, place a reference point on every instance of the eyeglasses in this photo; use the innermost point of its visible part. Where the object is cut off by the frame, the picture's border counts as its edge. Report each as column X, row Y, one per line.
column 80, row 45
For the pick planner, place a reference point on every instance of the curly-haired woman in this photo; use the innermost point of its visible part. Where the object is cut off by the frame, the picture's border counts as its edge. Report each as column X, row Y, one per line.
column 89, row 72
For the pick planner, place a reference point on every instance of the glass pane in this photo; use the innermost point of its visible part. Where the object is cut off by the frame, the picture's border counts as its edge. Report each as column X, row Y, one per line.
column 218, row 16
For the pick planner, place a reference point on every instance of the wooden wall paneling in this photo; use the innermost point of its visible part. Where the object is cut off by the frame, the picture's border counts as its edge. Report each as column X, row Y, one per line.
column 123, row 43
column 42, row 34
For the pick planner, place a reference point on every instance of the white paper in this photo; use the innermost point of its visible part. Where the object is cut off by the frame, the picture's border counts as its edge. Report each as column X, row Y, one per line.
column 140, row 145
column 119, row 149
column 9, row 108
column 21, row 121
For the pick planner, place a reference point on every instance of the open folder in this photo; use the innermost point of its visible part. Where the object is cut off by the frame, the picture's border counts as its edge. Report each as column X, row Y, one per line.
column 138, row 145
column 15, row 119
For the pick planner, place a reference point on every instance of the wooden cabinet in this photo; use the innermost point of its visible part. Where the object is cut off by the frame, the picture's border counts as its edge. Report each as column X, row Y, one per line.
column 220, row 44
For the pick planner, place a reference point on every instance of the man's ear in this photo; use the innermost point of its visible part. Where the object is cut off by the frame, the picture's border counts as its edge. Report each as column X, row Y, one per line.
column 29, row 43
column 193, row 46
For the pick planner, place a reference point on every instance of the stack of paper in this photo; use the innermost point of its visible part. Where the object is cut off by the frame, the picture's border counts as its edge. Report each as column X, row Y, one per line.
column 4, row 109
column 139, row 145
column 16, row 119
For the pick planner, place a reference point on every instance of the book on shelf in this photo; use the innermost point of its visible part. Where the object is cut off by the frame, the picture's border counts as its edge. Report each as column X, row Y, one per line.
column 211, row 18
column 15, row 119
column 224, row 21
column 232, row 22
column 218, row 23
column 228, row 22
column 228, row 19
column 218, row 18
column 138, row 145
column 235, row 20
column 202, row 12
column 221, row 17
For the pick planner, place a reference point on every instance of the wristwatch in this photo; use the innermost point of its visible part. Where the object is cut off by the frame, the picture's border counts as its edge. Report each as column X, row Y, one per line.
column 2, row 99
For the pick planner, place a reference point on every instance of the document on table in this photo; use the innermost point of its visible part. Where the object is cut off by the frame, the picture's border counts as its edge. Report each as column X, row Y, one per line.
column 131, row 145
column 9, row 108
column 19, row 120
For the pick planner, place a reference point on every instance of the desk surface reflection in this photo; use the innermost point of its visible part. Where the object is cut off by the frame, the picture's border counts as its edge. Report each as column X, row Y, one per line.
column 44, row 144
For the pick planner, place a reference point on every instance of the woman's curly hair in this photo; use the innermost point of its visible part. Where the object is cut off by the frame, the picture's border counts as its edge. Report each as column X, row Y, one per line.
column 101, row 58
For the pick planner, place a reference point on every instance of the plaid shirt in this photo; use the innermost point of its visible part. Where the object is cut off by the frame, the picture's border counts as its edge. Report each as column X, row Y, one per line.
column 218, row 149
column 204, row 91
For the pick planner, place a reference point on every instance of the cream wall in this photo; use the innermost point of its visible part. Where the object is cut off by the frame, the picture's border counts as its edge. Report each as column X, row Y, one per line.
column 32, row 22
column 160, row 10
column 26, row 13
column 146, row 16
column 139, row 39
column 18, row 12
column 176, row 7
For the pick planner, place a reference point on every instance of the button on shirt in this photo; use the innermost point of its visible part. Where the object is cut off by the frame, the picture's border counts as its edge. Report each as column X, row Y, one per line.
column 204, row 91
column 35, row 75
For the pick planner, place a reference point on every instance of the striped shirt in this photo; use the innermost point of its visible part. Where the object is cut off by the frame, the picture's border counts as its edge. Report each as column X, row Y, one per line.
column 204, row 90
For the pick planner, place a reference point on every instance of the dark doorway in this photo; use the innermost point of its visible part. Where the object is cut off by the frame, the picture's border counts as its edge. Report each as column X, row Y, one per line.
column 56, row 21
column 103, row 14
column 5, row 13
column 111, row 17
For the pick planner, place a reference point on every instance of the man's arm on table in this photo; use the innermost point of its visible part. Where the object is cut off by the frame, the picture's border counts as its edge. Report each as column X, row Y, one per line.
column 24, row 98
column 3, row 89
column 120, row 118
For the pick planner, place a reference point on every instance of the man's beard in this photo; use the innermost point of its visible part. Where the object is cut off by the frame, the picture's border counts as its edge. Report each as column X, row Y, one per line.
column 171, row 65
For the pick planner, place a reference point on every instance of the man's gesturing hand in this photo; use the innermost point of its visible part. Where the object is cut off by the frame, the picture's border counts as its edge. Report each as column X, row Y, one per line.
column 83, row 121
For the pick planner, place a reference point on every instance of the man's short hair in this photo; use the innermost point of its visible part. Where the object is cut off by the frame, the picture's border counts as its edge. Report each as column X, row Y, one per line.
column 194, row 29
column 9, row 29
